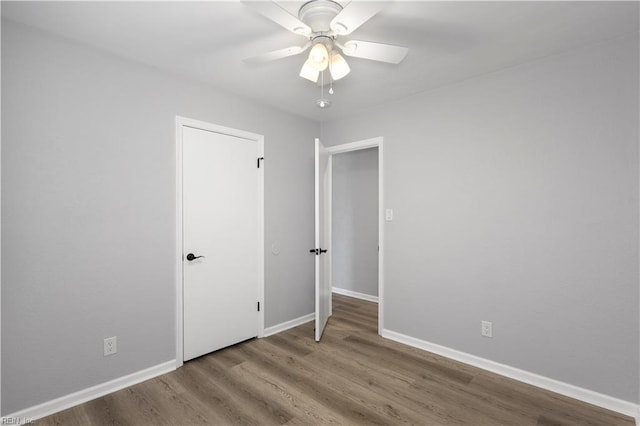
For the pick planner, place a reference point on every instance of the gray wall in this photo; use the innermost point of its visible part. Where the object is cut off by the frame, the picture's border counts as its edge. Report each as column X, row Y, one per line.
column 515, row 198
column 354, row 242
column 88, row 223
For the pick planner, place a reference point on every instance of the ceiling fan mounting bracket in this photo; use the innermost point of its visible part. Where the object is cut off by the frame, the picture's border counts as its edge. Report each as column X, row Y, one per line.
column 318, row 14
column 328, row 41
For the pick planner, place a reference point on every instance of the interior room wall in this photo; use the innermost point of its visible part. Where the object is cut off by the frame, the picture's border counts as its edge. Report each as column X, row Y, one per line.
column 88, row 220
column 515, row 198
column 354, row 218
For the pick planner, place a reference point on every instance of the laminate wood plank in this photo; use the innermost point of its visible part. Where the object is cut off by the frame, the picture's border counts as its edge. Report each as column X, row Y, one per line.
column 366, row 321
column 377, row 340
column 365, row 308
column 410, row 365
column 435, row 399
column 229, row 358
column 358, row 391
column 338, row 302
column 177, row 406
column 354, row 325
column 445, row 411
column 291, row 346
column 307, row 410
column 258, row 405
column 369, row 318
column 106, row 411
column 385, row 385
column 354, row 303
column 388, row 382
column 311, row 382
column 216, row 401
column 552, row 406
column 439, row 389
column 136, row 402
column 71, row 416
column 329, row 350
column 483, row 407
column 545, row 421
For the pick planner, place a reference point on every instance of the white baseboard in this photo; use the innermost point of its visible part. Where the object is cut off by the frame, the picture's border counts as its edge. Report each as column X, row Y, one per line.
column 595, row 398
column 275, row 329
column 355, row 294
column 38, row 411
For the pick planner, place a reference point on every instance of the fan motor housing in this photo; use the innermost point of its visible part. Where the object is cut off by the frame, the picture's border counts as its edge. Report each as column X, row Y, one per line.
column 318, row 14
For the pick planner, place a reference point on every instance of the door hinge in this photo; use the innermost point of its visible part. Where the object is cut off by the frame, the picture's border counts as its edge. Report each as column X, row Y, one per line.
column 258, row 306
column 260, row 158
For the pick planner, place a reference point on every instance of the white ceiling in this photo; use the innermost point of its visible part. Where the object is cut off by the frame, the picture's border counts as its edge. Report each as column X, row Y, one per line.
column 448, row 42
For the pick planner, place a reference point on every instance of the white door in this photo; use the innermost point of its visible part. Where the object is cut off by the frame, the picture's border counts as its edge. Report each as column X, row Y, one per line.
column 322, row 267
column 220, row 189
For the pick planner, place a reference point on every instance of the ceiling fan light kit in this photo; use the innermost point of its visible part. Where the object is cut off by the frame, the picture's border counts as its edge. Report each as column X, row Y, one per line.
column 319, row 57
column 309, row 72
column 338, row 67
column 322, row 22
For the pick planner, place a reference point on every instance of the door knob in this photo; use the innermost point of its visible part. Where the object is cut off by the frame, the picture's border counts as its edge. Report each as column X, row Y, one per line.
column 192, row 257
column 318, row 251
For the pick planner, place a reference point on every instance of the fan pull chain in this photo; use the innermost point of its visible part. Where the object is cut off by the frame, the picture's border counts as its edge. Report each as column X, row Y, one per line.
column 330, row 81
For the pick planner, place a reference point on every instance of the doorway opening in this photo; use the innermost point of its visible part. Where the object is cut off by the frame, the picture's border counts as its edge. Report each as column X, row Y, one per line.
column 354, row 224
column 356, row 240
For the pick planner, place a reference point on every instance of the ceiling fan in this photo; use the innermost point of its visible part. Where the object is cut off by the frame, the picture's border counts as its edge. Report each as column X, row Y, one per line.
column 323, row 23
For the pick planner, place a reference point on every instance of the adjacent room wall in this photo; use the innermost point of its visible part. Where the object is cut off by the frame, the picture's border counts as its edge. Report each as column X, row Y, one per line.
column 515, row 198
column 354, row 205
column 88, row 221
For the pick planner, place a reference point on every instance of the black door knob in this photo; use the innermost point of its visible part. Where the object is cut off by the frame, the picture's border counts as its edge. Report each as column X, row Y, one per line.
column 192, row 257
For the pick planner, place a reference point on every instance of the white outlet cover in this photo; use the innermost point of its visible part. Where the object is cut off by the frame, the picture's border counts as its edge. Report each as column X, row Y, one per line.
column 110, row 346
column 487, row 329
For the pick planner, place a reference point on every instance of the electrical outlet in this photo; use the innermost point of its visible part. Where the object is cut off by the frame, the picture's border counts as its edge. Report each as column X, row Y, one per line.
column 487, row 329
column 110, row 346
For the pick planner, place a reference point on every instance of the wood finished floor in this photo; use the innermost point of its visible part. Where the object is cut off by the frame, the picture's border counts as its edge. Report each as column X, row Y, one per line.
column 352, row 377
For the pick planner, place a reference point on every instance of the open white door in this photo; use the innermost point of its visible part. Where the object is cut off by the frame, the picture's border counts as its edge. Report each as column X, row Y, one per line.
column 323, row 283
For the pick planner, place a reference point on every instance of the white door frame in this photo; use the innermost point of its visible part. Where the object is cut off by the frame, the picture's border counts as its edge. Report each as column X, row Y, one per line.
column 182, row 122
column 377, row 142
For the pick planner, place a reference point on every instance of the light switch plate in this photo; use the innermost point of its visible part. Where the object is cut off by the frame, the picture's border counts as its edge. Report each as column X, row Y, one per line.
column 388, row 215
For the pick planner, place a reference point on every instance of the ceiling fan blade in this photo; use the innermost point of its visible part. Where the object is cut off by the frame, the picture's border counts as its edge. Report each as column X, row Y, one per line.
column 280, row 16
column 374, row 51
column 276, row 54
column 353, row 15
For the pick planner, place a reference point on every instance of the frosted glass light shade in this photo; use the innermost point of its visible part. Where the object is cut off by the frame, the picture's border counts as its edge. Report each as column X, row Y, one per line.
column 309, row 72
column 339, row 67
column 319, row 57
